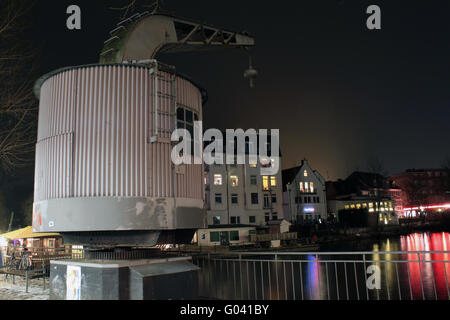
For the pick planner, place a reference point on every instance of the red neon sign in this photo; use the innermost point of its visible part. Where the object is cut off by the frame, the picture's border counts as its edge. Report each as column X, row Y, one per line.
column 441, row 206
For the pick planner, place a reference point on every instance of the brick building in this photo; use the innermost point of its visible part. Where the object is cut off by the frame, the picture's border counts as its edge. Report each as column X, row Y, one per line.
column 423, row 190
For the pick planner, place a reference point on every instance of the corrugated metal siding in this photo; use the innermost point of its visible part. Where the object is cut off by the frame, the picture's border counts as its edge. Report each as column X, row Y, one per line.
column 57, row 106
column 110, row 141
column 109, row 111
column 53, row 177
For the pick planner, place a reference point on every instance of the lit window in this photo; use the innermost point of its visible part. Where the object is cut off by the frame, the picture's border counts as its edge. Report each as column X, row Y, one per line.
column 234, row 181
column 253, row 165
column 217, row 179
column 301, row 187
column 358, row 206
column 305, row 173
column 306, row 187
column 365, row 205
column 266, row 183
column 311, row 186
column 347, row 207
column 371, row 205
column 352, row 206
column 273, row 181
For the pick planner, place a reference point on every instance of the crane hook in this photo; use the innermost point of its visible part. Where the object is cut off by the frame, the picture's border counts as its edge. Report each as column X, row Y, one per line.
column 251, row 73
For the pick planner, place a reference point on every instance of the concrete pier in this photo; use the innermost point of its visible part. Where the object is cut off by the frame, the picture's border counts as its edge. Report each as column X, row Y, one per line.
column 152, row 279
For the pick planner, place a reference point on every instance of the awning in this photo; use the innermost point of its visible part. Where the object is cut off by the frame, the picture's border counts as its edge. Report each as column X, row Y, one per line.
column 27, row 233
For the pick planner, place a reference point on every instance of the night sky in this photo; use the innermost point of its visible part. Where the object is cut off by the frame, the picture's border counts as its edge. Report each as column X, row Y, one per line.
column 339, row 93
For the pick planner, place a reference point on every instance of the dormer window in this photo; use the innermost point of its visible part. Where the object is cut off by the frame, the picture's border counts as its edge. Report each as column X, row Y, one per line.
column 305, row 173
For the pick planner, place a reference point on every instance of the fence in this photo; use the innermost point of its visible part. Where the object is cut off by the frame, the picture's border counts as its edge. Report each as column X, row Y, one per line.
column 40, row 257
column 411, row 275
column 325, row 276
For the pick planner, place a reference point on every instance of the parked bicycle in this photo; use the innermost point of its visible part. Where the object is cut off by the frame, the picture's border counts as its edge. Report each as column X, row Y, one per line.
column 24, row 262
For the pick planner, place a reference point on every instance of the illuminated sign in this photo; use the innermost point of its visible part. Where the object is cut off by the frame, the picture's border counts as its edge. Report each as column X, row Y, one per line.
column 309, row 210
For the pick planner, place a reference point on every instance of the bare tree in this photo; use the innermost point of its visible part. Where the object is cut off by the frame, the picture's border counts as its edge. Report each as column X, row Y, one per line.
column 376, row 165
column 17, row 103
column 446, row 167
column 446, row 163
column 415, row 190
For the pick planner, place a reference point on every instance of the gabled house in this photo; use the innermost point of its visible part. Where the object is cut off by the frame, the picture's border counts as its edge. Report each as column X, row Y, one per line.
column 304, row 195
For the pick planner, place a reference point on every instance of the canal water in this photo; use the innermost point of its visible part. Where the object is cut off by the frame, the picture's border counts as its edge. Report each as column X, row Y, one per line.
column 336, row 277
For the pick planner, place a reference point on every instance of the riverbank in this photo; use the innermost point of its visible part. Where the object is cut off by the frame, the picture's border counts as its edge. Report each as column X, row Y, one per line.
column 326, row 238
column 377, row 233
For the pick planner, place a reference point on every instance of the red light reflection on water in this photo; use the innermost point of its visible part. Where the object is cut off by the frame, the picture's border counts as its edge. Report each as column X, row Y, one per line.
column 422, row 275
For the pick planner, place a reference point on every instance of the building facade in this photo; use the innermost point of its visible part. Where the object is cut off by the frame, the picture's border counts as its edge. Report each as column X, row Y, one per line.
column 384, row 208
column 423, row 190
column 224, row 236
column 363, row 190
column 304, row 194
column 239, row 194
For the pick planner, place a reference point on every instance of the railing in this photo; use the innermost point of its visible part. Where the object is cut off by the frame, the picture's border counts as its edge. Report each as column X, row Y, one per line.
column 410, row 275
column 40, row 257
column 272, row 237
column 325, row 276
column 14, row 262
